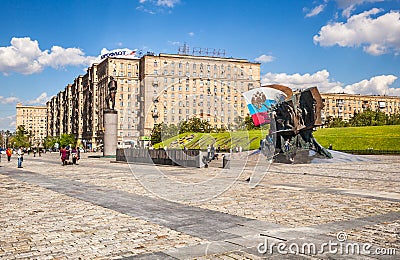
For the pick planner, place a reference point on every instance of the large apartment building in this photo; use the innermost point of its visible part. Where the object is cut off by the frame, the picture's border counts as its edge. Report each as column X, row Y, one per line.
column 170, row 88
column 178, row 87
column 153, row 89
column 34, row 120
column 344, row 105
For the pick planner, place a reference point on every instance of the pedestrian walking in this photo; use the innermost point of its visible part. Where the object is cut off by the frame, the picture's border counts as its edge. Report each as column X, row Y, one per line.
column 212, row 152
column 9, row 153
column 74, row 155
column 20, row 153
column 68, row 152
column 78, row 154
column 63, row 153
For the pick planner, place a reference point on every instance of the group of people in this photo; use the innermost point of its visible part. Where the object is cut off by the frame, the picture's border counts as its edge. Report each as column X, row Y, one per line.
column 67, row 153
column 20, row 154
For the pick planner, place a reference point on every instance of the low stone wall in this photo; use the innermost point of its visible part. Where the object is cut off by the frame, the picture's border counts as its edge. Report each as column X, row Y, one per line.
column 189, row 158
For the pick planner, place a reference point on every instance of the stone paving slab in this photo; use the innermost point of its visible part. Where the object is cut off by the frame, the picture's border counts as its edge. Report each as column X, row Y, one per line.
column 191, row 220
column 38, row 223
column 293, row 203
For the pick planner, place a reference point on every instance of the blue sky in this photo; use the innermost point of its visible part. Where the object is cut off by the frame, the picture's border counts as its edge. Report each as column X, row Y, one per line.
column 348, row 46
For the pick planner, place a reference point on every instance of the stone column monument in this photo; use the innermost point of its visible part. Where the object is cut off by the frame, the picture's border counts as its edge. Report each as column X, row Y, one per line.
column 110, row 121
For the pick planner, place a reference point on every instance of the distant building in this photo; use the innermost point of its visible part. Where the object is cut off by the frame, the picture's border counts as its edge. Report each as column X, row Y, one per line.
column 34, row 119
column 344, row 105
column 166, row 88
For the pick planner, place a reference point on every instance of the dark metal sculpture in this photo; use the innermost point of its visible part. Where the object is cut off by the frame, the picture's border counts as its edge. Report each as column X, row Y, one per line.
column 292, row 124
column 112, row 90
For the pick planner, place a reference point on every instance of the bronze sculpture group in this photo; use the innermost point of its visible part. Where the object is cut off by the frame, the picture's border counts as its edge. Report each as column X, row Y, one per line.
column 292, row 124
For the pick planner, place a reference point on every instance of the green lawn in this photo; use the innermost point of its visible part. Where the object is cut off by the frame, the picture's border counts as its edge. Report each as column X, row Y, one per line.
column 248, row 140
column 360, row 138
column 345, row 138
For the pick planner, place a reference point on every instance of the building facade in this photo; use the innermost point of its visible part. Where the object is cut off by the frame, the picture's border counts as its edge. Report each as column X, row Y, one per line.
column 153, row 89
column 344, row 105
column 171, row 88
column 174, row 88
column 34, row 120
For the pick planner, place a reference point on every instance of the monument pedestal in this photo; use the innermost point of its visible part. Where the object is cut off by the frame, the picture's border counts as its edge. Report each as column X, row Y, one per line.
column 110, row 133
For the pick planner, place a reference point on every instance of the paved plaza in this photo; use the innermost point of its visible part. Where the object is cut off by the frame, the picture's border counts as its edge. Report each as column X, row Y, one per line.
column 101, row 209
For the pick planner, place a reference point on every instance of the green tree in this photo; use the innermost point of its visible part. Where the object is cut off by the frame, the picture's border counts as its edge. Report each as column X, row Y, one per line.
column 394, row 119
column 156, row 132
column 248, row 123
column 170, row 131
column 20, row 138
column 6, row 137
column 195, row 125
column 369, row 118
column 67, row 139
column 49, row 141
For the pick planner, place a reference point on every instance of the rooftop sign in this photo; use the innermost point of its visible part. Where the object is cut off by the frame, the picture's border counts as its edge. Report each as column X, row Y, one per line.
column 121, row 53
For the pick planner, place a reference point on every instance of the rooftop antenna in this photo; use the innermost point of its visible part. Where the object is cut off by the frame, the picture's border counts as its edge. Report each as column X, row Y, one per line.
column 210, row 52
column 184, row 49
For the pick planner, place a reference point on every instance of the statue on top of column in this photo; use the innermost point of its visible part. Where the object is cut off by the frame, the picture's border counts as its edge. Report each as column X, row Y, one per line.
column 112, row 90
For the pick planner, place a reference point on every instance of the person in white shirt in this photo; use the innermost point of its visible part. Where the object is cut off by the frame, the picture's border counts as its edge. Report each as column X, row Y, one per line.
column 20, row 153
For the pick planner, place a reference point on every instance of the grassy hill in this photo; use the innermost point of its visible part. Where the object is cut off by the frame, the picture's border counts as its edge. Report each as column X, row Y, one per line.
column 360, row 138
column 345, row 138
column 248, row 140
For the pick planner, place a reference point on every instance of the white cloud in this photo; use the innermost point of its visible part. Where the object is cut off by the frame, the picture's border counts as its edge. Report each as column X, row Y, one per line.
column 60, row 57
column 175, row 43
column 8, row 123
column 191, row 34
column 316, row 10
column 167, row 3
column 298, row 81
column 376, row 35
column 8, row 100
column 265, row 58
column 378, row 85
column 40, row 100
column 24, row 56
column 156, row 6
column 348, row 6
column 143, row 9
